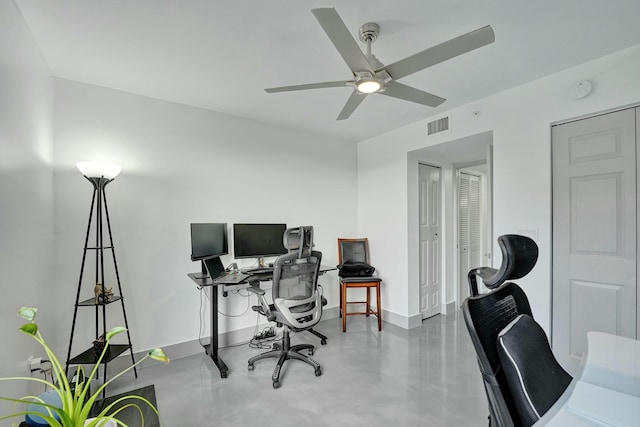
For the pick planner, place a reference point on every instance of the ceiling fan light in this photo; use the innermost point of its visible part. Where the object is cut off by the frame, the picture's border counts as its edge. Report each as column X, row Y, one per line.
column 368, row 86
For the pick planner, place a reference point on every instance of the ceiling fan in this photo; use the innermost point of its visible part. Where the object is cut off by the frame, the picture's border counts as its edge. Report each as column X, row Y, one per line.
column 371, row 76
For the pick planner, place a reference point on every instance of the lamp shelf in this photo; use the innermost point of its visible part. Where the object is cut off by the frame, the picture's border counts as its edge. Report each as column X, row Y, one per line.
column 91, row 302
column 88, row 357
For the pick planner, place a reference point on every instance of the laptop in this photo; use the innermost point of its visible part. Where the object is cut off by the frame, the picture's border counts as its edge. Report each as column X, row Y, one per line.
column 214, row 267
column 219, row 275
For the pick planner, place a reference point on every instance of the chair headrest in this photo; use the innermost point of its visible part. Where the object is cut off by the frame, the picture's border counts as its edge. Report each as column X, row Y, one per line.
column 521, row 253
column 519, row 256
column 298, row 238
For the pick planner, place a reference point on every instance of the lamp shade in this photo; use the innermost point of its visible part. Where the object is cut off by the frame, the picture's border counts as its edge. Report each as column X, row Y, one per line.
column 97, row 169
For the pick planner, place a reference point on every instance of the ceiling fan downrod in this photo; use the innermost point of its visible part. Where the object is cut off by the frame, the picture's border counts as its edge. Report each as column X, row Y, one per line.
column 368, row 33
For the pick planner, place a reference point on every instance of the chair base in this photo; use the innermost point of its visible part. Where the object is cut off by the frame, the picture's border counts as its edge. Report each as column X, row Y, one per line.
column 368, row 310
column 323, row 338
column 284, row 352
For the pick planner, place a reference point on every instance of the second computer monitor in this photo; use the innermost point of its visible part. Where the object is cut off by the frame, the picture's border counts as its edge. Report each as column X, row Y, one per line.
column 258, row 240
column 208, row 240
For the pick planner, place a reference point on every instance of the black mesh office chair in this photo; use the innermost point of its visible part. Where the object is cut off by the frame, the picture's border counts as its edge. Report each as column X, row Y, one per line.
column 519, row 255
column 489, row 315
column 297, row 303
column 485, row 316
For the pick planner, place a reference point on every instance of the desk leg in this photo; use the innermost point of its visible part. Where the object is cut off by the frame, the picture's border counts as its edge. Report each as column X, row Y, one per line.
column 212, row 349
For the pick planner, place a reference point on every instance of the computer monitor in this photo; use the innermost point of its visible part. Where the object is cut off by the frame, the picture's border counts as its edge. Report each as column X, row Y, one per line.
column 258, row 240
column 208, row 241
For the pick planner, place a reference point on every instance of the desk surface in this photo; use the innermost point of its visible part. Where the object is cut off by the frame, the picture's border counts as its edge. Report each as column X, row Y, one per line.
column 606, row 391
column 202, row 281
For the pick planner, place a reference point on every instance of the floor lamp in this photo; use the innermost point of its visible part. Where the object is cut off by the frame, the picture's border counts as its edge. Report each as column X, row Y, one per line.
column 99, row 175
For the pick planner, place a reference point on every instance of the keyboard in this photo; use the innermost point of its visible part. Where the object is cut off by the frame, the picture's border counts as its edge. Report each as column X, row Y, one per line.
column 231, row 278
column 258, row 270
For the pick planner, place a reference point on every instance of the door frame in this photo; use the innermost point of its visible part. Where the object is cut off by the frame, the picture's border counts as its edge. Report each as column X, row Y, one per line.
column 466, row 149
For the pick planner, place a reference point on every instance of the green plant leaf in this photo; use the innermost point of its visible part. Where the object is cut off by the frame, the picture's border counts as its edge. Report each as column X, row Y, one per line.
column 28, row 313
column 113, row 332
column 158, row 354
column 29, row 328
column 77, row 402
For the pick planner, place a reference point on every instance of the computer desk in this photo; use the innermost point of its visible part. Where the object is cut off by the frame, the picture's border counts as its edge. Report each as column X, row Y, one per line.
column 205, row 281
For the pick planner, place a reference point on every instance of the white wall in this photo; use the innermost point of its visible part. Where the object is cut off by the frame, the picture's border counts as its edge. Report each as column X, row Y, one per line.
column 26, row 203
column 181, row 165
column 520, row 120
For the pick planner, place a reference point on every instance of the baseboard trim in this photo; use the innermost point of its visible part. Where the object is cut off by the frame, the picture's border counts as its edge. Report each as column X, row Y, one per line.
column 403, row 322
column 449, row 308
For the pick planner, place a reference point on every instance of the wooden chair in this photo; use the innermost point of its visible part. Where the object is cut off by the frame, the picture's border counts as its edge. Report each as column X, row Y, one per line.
column 357, row 250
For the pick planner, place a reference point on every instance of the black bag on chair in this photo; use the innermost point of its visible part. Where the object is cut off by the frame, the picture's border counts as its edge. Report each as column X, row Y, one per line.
column 356, row 269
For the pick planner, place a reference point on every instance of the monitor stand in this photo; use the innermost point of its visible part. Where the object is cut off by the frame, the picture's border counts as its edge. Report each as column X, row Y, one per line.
column 203, row 271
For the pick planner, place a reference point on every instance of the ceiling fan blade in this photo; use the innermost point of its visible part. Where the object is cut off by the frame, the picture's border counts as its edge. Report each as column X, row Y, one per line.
column 352, row 103
column 334, row 26
column 440, row 53
column 340, row 83
column 408, row 93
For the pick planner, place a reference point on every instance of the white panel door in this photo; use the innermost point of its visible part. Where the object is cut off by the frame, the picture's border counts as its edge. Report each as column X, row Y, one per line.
column 594, row 232
column 430, row 232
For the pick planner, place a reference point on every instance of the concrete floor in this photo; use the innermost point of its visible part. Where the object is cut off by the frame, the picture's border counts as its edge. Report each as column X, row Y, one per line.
column 427, row 376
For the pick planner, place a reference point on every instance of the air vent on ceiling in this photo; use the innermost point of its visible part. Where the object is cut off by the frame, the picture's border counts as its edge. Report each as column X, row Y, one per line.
column 439, row 125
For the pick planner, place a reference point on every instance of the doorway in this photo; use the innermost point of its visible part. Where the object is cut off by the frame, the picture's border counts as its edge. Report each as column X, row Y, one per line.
column 473, row 150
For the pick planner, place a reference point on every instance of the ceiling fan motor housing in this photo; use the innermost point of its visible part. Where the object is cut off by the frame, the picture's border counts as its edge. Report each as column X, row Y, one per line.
column 369, row 32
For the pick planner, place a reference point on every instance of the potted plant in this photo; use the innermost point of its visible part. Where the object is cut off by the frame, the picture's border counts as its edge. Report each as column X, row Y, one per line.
column 77, row 399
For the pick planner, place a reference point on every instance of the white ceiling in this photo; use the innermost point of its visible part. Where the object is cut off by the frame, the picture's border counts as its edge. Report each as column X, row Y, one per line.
column 220, row 55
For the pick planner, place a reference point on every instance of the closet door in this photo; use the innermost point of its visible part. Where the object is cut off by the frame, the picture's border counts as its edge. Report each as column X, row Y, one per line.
column 594, row 232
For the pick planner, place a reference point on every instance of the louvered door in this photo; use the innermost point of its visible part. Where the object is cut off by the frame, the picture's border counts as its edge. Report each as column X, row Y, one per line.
column 469, row 250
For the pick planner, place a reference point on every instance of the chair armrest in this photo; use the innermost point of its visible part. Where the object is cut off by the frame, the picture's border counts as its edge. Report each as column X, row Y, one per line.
column 257, row 291
column 263, row 302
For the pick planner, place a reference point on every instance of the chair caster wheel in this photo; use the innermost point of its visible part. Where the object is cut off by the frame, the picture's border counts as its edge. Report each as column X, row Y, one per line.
column 318, row 372
column 250, row 367
column 323, row 342
column 276, row 384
